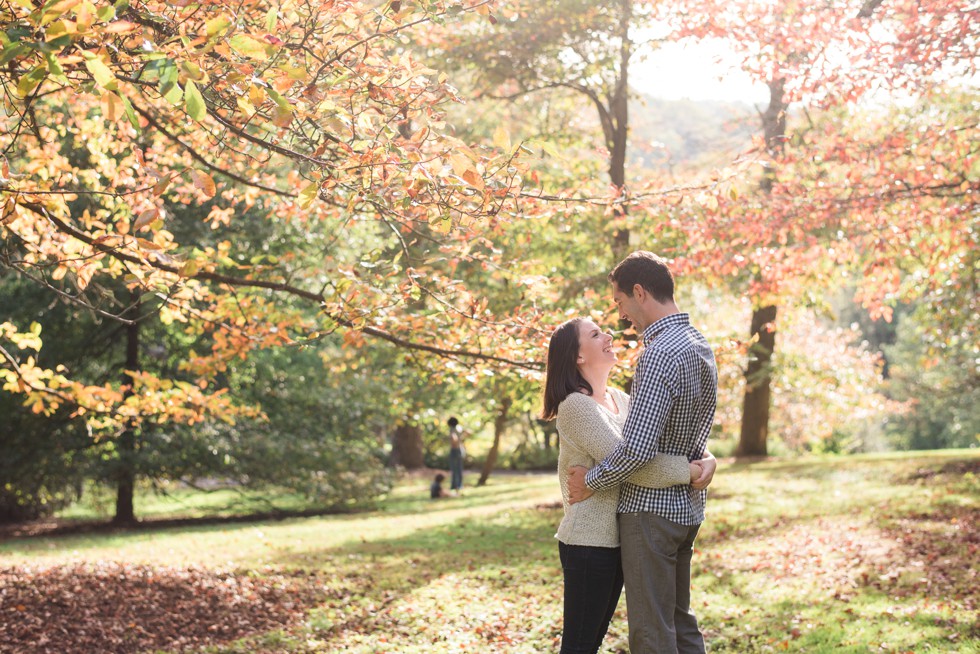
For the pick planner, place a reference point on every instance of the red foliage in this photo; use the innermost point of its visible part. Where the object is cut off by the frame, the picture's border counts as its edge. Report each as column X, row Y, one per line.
column 120, row 608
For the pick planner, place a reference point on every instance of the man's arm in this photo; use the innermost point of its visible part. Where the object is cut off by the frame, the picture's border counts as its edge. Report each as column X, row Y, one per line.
column 652, row 397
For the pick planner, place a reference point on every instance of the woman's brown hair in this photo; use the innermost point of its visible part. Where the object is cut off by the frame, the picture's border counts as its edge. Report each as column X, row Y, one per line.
column 562, row 377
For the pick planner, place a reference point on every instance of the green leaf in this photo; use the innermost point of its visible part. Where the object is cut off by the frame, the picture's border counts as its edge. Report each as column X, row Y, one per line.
column 168, row 75
column 103, row 75
column 54, row 67
column 174, row 96
column 194, row 102
column 249, row 47
column 216, row 26
column 279, row 100
column 14, row 51
column 29, row 82
column 131, row 113
column 271, row 18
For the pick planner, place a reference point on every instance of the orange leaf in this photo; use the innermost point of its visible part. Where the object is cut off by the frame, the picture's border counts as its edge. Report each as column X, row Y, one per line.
column 204, row 182
column 146, row 218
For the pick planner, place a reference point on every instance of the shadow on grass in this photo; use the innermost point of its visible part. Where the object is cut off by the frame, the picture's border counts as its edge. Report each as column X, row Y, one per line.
column 56, row 528
column 489, row 553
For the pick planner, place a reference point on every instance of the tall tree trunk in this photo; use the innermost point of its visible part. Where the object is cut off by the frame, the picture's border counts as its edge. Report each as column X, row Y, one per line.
column 406, row 447
column 499, row 424
column 126, row 472
column 617, row 128
column 758, row 373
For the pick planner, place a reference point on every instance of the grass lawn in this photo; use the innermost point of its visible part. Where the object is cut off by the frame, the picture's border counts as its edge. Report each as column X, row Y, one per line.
column 874, row 553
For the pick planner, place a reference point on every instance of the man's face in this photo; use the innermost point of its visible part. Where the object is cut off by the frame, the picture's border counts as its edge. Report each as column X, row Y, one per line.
column 627, row 306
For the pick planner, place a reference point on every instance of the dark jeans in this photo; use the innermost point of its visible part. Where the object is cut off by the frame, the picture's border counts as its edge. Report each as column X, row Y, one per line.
column 455, row 469
column 593, row 583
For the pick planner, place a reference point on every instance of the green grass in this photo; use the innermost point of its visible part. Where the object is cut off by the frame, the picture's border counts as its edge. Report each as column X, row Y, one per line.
column 873, row 553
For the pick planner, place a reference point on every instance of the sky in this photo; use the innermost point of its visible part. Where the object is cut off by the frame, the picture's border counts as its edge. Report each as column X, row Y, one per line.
column 696, row 72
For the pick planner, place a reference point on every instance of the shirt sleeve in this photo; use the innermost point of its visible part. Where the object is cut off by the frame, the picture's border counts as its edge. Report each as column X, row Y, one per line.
column 653, row 395
column 581, row 424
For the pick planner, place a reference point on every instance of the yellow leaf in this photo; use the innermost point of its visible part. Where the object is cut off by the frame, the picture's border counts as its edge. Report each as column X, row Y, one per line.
column 308, row 195
column 189, row 269
column 460, row 163
column 256, row 94
column 249, row 47
column 57, row 10
column 58, row 29
column 441, row 225
column 501, row 138
column 245, row 106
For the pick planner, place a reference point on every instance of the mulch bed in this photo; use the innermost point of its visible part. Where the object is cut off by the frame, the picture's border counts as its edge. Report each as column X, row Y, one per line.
column 116, row 608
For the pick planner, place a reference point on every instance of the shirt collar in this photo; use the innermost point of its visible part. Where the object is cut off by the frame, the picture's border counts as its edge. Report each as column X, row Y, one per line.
column 665, row 323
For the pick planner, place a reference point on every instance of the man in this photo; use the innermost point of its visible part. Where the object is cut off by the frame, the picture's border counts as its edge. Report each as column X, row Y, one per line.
column 671, row 411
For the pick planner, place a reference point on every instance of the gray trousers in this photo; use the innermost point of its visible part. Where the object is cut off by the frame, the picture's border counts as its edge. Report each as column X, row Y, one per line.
column 657, row 568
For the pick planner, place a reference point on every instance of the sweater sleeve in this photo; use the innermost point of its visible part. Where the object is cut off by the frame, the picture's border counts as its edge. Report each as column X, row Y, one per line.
column 582, row 424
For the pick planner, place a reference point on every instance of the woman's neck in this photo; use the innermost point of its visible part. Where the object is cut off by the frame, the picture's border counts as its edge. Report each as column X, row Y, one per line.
column 598, row 380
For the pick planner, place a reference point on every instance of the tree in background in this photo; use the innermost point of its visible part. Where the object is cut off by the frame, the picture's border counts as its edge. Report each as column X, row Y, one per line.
column 822, row 206
column 311, row 116
column 304, row 126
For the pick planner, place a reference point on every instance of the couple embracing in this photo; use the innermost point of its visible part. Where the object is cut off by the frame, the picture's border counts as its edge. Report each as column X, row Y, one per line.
column 633, row 468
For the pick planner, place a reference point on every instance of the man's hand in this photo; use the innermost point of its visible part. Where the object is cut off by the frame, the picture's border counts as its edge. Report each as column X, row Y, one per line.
column 708, row 467
column 577, row 490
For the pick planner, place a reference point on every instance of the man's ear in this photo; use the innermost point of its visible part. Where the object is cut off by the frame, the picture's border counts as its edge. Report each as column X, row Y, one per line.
column 639, row 293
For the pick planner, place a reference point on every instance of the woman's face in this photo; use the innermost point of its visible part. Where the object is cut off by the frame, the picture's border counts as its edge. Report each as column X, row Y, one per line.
column 594, row 345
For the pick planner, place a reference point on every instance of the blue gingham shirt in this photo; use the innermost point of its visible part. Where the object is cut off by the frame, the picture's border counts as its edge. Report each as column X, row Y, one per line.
column 672, row 408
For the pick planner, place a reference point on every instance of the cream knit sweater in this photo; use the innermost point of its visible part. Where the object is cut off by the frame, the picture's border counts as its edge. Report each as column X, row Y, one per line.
column 587, row 432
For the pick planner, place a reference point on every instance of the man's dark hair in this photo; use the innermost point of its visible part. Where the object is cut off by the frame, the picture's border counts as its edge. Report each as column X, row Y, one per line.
column 452, row 421
column 649, row 271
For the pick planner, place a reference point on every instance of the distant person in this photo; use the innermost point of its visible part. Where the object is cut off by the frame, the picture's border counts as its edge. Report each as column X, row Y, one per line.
column 674, row 394
column 456, row 455
column 436, row 490
column 590, row 418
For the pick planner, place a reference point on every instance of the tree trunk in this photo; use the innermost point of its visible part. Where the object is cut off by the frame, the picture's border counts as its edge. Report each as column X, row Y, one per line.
column 406, row 448
column 758, row 373
column 758, row 377
column 499, row 424
column 617, row 132
column 126, row 472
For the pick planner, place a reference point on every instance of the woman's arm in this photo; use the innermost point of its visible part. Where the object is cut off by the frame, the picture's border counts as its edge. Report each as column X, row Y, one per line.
column 581, row 423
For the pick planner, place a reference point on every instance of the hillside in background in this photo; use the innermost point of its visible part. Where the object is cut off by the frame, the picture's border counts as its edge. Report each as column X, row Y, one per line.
column 671, row 134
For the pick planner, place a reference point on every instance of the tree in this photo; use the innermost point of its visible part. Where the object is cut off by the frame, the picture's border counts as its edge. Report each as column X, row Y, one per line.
column 818, row 203
column 296, row 111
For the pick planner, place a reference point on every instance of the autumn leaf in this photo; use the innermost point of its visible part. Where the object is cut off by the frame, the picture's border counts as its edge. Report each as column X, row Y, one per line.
column 145, row 218
column 308, row 195
column 194, row 102
column 103, row 75
column 204, row 182
column 250, row 47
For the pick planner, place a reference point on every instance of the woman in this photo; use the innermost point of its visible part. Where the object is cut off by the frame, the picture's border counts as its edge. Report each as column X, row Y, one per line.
column 590, row 418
